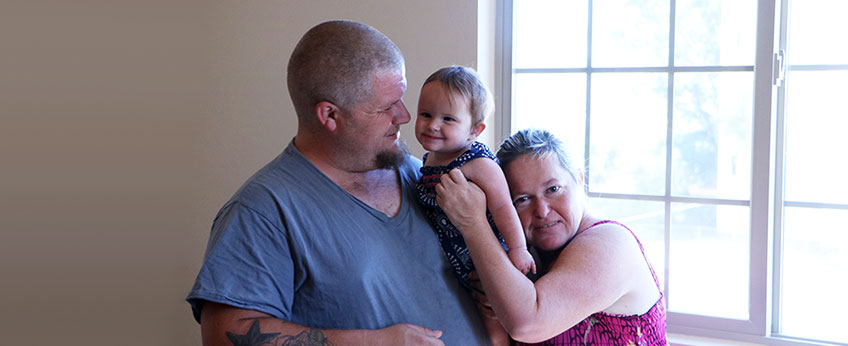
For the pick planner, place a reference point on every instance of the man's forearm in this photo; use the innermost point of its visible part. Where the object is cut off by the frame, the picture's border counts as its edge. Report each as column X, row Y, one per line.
column 223, row 325
column 286, row 333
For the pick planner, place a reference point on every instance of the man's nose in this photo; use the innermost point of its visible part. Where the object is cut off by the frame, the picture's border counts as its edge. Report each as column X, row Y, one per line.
column 401, row 115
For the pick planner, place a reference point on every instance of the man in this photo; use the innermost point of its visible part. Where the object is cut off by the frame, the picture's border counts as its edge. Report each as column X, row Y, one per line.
column 324, row 245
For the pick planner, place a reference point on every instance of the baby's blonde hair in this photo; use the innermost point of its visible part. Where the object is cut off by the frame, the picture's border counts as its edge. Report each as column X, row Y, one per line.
column 465, row 81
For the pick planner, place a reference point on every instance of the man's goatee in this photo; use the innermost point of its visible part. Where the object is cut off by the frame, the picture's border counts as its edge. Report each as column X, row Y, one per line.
column 393, row 159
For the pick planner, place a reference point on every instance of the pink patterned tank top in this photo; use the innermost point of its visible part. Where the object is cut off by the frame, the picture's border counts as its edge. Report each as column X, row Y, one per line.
column 612, row 329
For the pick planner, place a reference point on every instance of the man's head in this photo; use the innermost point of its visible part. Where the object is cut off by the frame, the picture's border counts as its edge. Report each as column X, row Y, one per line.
column 347, row 81
column 335, row 62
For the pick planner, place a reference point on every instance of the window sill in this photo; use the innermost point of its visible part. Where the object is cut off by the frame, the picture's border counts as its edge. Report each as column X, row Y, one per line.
column 691, row 340
column 688, row 340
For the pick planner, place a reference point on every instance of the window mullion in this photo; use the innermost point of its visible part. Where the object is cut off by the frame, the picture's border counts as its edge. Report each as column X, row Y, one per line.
column 504, row 34
column 587, row 142
column 669, row 144
column 780, row 145
column 762, row 185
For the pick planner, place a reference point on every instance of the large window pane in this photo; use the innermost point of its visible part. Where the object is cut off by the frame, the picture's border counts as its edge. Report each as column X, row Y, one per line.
column 630, row 33
column 550, row 33
column 817, row 32
column 816, row 120
column 628, row 131
column 709, row 260
column 814, row 275
column 554, row 102
column 645, row 218
column 711, row 154
column 715, row 33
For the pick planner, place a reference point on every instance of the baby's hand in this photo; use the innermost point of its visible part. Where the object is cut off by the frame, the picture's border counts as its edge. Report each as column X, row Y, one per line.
column 522, row 260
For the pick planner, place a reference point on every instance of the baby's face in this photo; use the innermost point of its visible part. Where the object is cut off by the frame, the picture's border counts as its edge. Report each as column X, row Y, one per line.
column 443, row 124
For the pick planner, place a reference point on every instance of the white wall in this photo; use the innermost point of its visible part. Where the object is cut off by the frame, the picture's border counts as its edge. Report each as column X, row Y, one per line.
column 126, row 124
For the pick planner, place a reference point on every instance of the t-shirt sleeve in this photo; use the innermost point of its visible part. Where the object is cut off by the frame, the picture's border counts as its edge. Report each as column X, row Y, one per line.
column 247, row 265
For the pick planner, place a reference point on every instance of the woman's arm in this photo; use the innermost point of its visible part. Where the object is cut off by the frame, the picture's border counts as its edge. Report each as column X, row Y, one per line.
column 581, row 281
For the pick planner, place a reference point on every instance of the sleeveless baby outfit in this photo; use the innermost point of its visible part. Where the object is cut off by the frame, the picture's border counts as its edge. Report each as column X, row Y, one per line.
column 449, row 237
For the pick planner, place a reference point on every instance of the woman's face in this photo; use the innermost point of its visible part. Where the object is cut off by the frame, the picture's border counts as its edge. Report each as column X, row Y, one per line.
column 549, row 202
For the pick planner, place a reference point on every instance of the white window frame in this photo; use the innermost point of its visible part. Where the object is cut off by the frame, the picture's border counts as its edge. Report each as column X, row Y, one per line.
column 766, row 185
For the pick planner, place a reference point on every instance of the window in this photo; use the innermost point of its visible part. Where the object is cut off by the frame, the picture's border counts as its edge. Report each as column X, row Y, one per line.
column 714, row 129
column 813, row 257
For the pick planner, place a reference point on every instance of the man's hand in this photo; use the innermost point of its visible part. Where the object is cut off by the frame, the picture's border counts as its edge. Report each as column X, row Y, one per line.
column 480, row 296
column 409, row 334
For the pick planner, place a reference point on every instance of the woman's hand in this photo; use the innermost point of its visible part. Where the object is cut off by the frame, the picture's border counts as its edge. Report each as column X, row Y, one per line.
column 463, row 202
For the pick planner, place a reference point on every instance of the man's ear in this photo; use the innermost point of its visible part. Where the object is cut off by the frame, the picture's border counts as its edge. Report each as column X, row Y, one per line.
column 327, row 114
column 477, row 130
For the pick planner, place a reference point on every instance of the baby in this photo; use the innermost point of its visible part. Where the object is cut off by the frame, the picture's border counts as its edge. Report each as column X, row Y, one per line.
column 451, row 109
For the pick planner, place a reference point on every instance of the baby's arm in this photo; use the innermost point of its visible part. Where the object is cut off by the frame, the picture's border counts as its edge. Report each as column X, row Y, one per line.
column 489, row 177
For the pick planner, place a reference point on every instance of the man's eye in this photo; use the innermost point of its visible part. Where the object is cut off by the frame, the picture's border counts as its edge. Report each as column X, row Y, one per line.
column 554, row 188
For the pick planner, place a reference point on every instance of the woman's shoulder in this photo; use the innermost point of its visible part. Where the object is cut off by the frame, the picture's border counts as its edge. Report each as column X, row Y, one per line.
column 607, row 235
column 599, row 223
column 605, row 226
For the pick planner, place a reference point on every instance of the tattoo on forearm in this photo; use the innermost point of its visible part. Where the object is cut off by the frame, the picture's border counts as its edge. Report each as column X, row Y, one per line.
column 254, row 337
column 312, row 337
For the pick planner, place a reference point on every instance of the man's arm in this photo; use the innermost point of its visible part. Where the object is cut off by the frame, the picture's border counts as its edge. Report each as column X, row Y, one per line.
column 227, row 325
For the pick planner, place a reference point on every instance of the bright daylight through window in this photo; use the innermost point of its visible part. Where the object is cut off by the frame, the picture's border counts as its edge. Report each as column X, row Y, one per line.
column 660, row 98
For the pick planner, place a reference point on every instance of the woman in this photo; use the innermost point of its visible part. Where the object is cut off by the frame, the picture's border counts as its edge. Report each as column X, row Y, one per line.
column 595, row 285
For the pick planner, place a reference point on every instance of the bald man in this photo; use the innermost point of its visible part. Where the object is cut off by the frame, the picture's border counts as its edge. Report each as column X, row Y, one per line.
column 325, row 244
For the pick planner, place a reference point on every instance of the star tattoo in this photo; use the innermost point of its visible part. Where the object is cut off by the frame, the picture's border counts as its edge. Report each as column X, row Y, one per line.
column 253, row 337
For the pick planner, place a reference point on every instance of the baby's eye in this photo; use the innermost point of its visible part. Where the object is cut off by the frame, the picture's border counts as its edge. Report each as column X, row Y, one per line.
column 449, row 119
column 425, row 114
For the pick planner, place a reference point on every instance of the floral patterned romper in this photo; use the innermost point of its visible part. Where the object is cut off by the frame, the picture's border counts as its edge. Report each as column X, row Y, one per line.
column 449, row 237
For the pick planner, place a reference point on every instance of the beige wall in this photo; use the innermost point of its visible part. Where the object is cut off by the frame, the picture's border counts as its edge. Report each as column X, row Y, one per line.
column 126, row 124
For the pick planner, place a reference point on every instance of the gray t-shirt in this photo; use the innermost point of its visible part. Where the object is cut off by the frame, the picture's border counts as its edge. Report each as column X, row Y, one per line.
column 293, row 244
